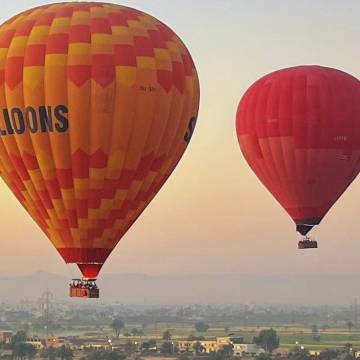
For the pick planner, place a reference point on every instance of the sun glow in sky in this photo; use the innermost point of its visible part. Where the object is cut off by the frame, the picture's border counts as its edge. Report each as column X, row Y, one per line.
column 213, row 215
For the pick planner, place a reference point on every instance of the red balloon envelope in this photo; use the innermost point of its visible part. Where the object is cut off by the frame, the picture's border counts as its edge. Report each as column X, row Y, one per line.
column 299, row 130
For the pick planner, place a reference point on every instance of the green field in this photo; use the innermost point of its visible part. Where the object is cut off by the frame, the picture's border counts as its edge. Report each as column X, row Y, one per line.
column 289, row 335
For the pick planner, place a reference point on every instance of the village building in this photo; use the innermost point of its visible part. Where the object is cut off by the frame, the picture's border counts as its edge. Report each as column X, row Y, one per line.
column 210, row 346
column 36, row 343
column 251, row 349
column 185, row 346
column 6, row 336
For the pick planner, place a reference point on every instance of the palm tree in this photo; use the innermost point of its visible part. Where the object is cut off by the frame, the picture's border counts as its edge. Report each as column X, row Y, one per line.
column 117, row 325
column 19, row 350
column 48, row 353
column 167, row 335
column 64, row 353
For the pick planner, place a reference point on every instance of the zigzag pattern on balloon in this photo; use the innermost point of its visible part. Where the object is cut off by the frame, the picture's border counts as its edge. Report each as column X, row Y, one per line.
column 95, row 100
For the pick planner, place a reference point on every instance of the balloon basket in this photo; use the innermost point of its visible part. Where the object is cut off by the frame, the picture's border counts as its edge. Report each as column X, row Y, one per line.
column 307, row 243
column 84, row 288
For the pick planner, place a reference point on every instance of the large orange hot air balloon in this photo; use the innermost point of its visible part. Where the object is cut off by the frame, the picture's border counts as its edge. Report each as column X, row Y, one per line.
column 98, row 103
column 299, row 130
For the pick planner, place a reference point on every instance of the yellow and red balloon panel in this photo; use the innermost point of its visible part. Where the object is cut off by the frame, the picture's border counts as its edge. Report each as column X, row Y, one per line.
column 97, row 105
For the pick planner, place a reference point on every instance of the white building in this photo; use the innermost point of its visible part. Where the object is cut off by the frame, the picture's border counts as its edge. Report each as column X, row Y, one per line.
column 36, row 343
column 252, row 349
column 6, row 336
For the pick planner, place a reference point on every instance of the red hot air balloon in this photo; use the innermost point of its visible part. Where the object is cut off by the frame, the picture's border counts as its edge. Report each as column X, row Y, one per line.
column 299, row 130
column 98, row 102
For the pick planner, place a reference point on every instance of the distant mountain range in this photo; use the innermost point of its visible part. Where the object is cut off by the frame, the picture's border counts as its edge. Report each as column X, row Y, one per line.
column 202, row 289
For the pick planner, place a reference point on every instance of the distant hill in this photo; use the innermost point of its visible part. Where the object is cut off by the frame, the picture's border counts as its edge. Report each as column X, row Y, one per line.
column 204, row 289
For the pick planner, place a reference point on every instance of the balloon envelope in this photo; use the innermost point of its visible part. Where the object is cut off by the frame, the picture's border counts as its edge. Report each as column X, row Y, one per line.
column 98, row 102
column 299, row 130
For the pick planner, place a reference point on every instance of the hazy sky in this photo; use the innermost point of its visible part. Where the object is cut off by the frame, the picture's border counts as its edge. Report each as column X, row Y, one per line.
column 213, row 216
